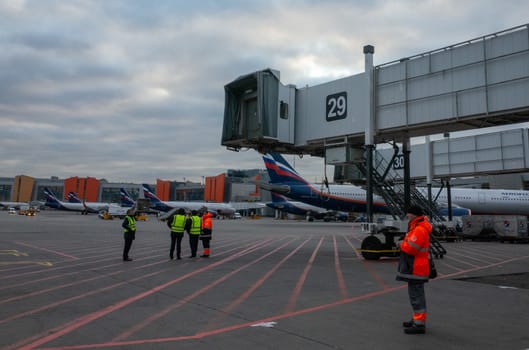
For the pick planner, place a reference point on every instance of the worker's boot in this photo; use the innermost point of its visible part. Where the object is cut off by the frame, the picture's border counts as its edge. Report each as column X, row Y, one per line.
column 415, row 329
column 206, row 253
column 407, row 324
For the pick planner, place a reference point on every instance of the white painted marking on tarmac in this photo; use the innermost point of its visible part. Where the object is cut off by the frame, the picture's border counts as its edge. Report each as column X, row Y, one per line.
column 265, row 324
column 507, row 287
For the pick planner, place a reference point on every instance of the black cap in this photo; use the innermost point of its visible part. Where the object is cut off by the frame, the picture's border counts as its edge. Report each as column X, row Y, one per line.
column 415, row 210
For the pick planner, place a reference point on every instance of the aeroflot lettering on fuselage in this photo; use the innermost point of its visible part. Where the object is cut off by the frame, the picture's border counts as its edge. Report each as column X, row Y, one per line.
column 523, row 194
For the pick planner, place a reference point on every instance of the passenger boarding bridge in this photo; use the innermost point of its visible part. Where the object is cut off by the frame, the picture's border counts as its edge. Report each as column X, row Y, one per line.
column 477, row 83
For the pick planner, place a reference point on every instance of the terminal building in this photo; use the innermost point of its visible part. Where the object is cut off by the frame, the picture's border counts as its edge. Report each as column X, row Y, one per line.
column 232, row 186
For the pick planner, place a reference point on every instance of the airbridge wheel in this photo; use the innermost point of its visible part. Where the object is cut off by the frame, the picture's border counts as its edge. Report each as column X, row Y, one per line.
column 369, row 245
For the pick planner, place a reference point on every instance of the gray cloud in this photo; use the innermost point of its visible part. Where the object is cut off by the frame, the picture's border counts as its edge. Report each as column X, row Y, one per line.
column 133, row 90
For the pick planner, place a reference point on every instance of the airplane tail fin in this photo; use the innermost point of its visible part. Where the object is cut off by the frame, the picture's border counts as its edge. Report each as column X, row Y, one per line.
column 51, row 199
column 277, row 198
column 280, row 171
column 149, row 194
column 126, row 199
column 73, row 198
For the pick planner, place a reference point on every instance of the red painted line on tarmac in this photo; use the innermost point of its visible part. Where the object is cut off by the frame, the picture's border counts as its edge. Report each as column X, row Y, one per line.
column 477, row 251
column 443, row 276
column 48, row 250
column 60, row 331
column 126, row 334
column 449, row 257
column 204, row 334
column 301, row 281
column 78, row 296
column 256, row 285
column 42, row 291
column 27, row 340
column 357, row 253
column 369, row 267
column 338, row 269
column 468, row 256
column 83, row 263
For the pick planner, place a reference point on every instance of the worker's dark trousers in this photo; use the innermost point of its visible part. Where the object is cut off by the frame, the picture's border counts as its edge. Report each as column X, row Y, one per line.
column 176, row 239
column 193, row 244
column 417, row 301
column 205, row 242
column 129, row 237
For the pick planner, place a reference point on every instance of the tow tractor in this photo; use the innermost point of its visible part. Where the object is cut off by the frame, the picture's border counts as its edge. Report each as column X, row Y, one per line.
column 373, row 248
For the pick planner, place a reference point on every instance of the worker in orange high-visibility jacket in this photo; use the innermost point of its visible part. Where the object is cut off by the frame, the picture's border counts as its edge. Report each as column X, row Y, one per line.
column 207, row 230
column 414, row 267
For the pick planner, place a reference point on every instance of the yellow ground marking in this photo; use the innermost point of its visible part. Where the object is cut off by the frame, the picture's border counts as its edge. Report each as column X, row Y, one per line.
column 13, row 252
column 26, row 262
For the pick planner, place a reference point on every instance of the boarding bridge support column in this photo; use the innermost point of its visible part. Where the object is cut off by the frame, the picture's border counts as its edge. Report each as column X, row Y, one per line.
column 370, row 130
column 407, row 183
column 449, row 197
column 429, row 173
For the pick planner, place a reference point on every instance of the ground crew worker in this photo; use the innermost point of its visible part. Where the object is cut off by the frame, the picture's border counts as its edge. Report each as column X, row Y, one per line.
column 193, row 229
column 414, row 267
column 129, row 228
column 176, row 223
column 207, row 230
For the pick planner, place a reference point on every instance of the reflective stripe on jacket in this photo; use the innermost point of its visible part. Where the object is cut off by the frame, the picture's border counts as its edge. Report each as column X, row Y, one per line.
column 178, row 223
column 195, row 225
column 131, row 224
column 413, row 263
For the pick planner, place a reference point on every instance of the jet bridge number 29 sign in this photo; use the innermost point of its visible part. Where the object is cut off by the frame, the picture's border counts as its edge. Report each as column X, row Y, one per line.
column 336, row 106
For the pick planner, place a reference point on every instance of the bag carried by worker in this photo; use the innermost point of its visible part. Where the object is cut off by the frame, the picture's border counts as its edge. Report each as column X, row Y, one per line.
column 433, row 270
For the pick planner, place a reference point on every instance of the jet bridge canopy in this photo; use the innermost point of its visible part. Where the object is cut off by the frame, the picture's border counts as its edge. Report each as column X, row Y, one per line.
column 476, row 83
column 258, row 110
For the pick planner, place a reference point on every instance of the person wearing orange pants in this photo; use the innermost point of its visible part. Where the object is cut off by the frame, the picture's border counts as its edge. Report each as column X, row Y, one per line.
column 414, row 267
column 207, row 230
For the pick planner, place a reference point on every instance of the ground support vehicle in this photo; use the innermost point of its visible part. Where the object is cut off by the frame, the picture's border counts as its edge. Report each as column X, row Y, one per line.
column 505, row 228
column 372, row 248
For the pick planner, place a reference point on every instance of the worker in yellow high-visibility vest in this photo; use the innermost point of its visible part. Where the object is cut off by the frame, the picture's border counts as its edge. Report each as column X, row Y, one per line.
column 177, row 224
column 129, row 229
column 193, row 224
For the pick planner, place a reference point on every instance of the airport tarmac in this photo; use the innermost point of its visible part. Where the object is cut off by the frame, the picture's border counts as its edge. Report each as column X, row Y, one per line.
column 269, row 284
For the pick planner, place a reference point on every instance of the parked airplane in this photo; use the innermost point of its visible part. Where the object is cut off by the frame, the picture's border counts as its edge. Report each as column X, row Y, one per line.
column 91, row 206
column 15, row 205
column 282, row 203
column 53, row 202
column 157, row 204
column 349, row 198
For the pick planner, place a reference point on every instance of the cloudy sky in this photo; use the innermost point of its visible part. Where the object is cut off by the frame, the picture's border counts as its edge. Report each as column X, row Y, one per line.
column 132, row 90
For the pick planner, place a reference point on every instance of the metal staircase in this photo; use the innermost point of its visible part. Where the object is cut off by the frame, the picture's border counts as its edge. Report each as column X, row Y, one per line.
column 390, row 186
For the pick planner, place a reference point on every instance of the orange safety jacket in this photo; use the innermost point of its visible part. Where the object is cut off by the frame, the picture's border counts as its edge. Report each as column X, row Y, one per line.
column 206, row 220
column 413, row 263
